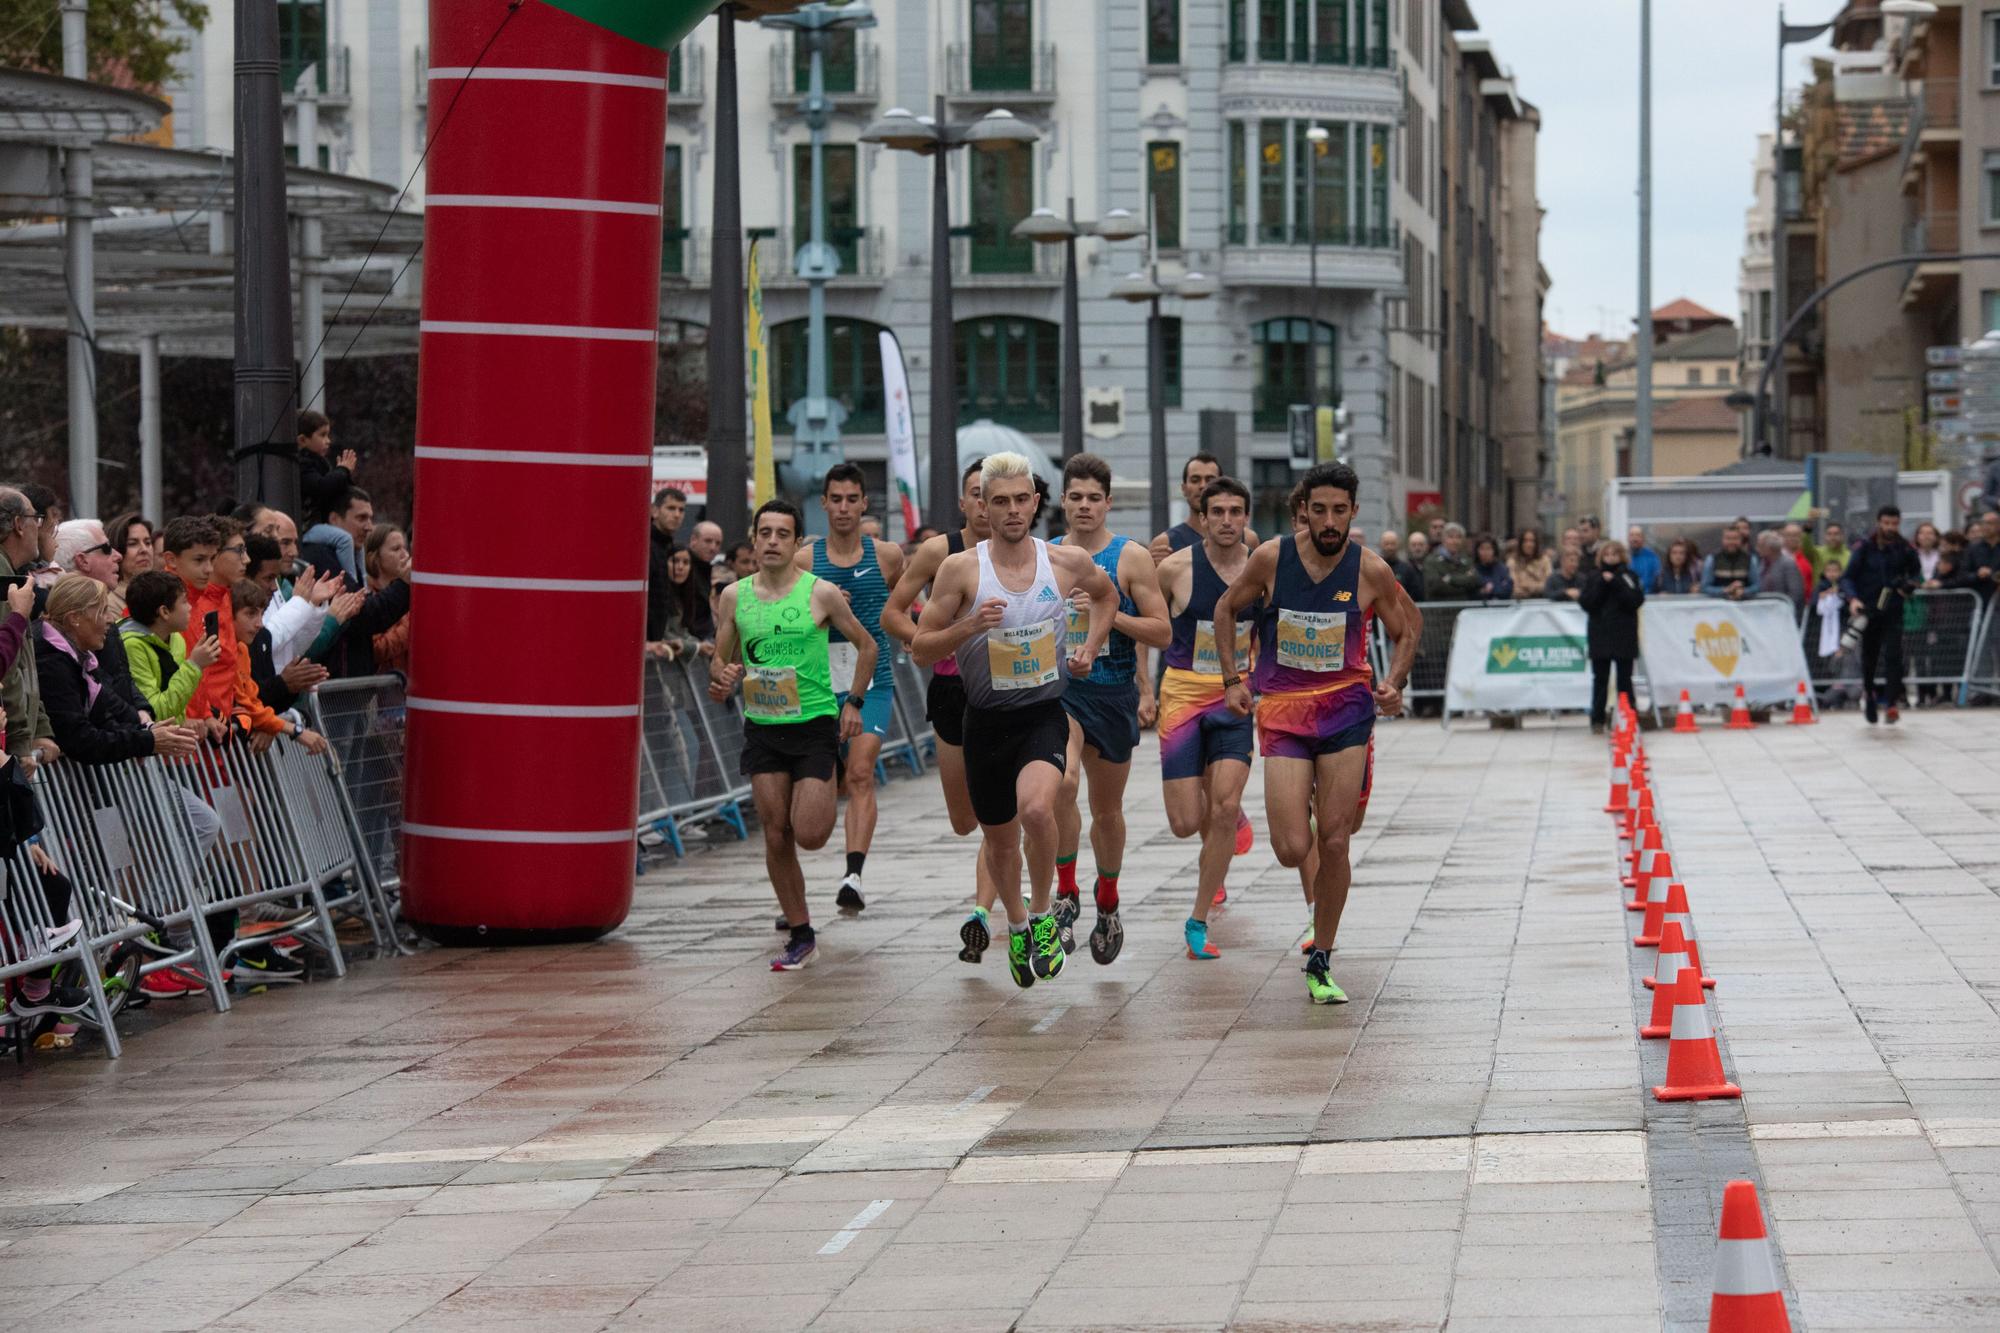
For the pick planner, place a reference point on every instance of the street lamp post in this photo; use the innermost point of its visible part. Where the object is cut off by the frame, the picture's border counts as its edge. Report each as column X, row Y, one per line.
column 817, row 418
column 1316, row 137
column 1044, row 227
column 1145, row 288
column 935, row 137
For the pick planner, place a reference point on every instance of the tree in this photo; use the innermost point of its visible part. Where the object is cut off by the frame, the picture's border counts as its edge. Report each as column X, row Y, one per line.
column 129, row 45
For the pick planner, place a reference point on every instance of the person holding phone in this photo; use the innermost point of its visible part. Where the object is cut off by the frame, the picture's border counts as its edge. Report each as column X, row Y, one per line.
column 193, row 543
column 29, row 737
column 165, row 670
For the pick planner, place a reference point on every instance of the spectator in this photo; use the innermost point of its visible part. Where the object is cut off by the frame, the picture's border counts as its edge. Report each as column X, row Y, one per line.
column 1642, row 559
column 1566, row 584
column 1779, row 573
column 1929, row 547
column 49, row 505
column 247, row 599
column 1680, row 574
column 706, row 543
column 29, row 736
column 688, row 600
column 1572, row 539
column 346, row 642
column 1407, row 574
column 215, row 698
column 323, row 477
column 923, row 534
column 387, row 554
column 1496, row 584
column 1795, row 551
column 277, row 526
column 1989, row 493
column 669, row 505
column 83, row 548
column 1528, row 565
column 1418, row 550
column 164, row 670
column 334, row 544
column 1590, row 533
column 1434, row 533
column 1831, row 555
column 1879, row 573
column 1448, row 575
column 743, row 560
column 132, row 537
column 1734, row 571
column 292, row 622
column 1743, row 529
column 91, row 723
column 871, row 526
column 1982, row 553
column 1611, row 597
column 675, row 642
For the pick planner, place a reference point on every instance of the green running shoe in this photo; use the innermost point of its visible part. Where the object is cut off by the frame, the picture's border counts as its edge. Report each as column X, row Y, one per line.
column 1047, row 955
column 1318, row 984
column 1017, row 959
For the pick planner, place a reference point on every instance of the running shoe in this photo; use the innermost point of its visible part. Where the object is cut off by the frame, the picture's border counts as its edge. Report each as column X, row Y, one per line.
column 1892, row 716
column 1868, row 709
column 1319, row 985
column 1018, row 961
column 1047, row 953
column 1197, row 940
column 796, row 955
column 262, row 963
column 1306, row 944
column 170, row 983
column 975, row 936
column 1246, row 836
column 849, row 898
column 1221, row 894
column 58, row 936
column 1108, row 937
column 1066, row 910
column 59, row 1000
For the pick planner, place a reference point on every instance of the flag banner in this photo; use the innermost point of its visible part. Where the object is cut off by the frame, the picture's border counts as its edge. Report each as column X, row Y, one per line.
column 1528, row 657
column 763, row 471
column 1710, row 645
column 902, row 433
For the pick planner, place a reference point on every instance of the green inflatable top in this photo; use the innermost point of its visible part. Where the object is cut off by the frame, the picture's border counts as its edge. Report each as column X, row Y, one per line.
column 660, row 23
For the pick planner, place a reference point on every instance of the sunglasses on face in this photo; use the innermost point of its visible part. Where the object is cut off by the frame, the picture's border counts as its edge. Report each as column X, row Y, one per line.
column 102, row 548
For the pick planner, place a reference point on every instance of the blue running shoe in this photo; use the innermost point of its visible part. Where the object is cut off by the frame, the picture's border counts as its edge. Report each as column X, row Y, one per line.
column 796, row 955
column 1197, row 940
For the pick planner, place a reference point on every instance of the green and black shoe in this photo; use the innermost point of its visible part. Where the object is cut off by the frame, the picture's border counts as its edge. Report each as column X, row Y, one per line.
column 1018, row 946
column 1046, row 954
column 1319, row 985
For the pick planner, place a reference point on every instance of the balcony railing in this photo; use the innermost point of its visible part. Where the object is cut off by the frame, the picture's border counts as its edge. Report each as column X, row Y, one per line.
column 1341, row 236
column 1003, row 258
column 1932, row 233
column 1933, row 109
column 856, row 82
column 863, row 253
column 687, row 78
column 976, row 76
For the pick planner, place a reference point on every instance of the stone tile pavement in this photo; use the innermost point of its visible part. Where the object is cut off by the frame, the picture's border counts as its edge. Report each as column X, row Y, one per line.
column 655, row 1131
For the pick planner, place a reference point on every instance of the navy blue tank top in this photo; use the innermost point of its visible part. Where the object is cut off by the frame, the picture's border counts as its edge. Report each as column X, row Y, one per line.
column 1118, row 660
column 1312, row 639
column 1181, row 536
column 1193, row 647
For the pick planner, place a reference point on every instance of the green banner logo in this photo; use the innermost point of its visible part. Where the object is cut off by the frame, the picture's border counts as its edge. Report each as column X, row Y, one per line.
column 655, row 23
column 1539, row 654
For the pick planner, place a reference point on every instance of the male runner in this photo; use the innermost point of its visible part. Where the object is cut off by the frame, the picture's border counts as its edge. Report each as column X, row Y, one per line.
column 1204, row 747
column 865, row 570
column 944, row 699
column 1103, row 707
column 1317, row 713
column 1000, row 610
column 777, row 621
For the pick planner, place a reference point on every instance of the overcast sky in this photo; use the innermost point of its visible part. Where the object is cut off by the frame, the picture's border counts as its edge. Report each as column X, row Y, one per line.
column 1578, row 60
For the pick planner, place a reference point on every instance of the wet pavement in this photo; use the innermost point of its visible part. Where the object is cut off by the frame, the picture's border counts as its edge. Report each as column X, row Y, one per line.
column 656, row 1131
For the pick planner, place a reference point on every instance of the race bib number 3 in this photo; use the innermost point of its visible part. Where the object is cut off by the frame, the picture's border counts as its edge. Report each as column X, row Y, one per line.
column 1208, row 662
column 1078, row 632
column 841, row 659
column 771, row 693
column 1024, row 657
column 1312, row 640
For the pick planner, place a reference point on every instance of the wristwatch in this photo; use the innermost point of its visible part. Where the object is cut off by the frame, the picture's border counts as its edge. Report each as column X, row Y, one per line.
column 1231, row 682
column 860, row 701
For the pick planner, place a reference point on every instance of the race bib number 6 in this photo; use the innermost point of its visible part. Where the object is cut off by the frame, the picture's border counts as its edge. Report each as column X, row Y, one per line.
column 1312, row 640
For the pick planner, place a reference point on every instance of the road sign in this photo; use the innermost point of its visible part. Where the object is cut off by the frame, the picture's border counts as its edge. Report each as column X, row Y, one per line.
column 1952, row 355
column 1943, row 379
column 1945, row 404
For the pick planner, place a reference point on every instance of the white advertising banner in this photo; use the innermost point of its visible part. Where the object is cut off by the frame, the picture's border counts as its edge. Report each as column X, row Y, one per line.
column 1528, row 657
column 1708, row 646
column 902, row 435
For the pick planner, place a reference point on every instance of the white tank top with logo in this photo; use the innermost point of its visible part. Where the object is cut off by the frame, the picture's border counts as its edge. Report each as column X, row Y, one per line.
column 1021, row 662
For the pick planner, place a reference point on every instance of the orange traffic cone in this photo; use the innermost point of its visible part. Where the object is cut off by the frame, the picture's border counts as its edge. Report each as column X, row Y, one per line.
column 1684, row 715
column 1673, row 957
column 1802, row 708
column 1659, row 869
column 1739, row 713
column 1645, row 836
column 1747, row 1298
column 1621, row 788
column 1694, row 1060
column 1678, row 914
column 1638, row 811
column 1657, row 903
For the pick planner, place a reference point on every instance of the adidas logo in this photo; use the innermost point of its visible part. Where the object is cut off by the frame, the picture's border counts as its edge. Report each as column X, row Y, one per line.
column 1047, row 594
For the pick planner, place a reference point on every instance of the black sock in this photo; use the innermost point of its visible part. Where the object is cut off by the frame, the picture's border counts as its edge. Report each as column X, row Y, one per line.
column 804, row 932
column 855, row 860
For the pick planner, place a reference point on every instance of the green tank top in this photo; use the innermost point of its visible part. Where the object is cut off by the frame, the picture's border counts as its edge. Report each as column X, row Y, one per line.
column 785, row 675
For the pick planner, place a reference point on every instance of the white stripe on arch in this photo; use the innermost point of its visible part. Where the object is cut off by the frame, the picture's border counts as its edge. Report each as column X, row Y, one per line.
column 476, row 709
column 569, row 837
column 500, row 584
column 522, row 74
column 551, row 202
column 508, row 329
column 555, row 458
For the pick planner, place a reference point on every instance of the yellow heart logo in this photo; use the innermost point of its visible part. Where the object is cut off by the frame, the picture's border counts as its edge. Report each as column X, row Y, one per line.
column 1720, row 644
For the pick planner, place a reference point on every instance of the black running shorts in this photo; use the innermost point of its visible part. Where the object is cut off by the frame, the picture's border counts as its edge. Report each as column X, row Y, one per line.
column 944, row 705
column 1000, row 742
column 808, row 749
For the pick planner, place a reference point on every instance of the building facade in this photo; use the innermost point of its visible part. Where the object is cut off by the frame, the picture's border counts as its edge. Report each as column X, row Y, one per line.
column 1194, row 113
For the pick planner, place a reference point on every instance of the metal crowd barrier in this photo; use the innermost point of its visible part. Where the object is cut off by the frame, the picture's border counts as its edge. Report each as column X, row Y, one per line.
column 1947, row 635
column 362, row 719
column 1982, row 664
column 28, row 944
column 911, row 737
column 689, row 758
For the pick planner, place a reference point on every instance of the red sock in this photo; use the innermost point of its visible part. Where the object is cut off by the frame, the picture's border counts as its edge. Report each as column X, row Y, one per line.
column 1107, row 892
column 1066, row 876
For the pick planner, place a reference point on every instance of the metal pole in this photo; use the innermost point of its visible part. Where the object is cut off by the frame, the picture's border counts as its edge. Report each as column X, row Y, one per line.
column 1642, row 437
column 80, row 276
column 312, row 250
column 266, row 374
column 1156, row 399
column 727, row 499
column 1774, row 414
column 150, row 503
column 944, row 349
column 1312, row 287
column 1072, row 383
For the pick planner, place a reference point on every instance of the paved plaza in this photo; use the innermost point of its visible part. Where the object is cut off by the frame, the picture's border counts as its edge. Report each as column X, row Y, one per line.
column 656, row 1131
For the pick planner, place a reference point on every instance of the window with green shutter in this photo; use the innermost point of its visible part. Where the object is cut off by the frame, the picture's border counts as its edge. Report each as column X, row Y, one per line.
column 1163, row 189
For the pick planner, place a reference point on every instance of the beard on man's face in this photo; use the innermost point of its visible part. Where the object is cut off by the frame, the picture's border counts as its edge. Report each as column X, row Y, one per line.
column 1329, row 539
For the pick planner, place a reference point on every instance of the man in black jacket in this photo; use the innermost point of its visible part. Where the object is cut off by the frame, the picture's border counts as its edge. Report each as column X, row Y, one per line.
column 1879, row 572
column 669, row 507
column 1982, row 554
column 1407, row 573
column 1611, row 596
